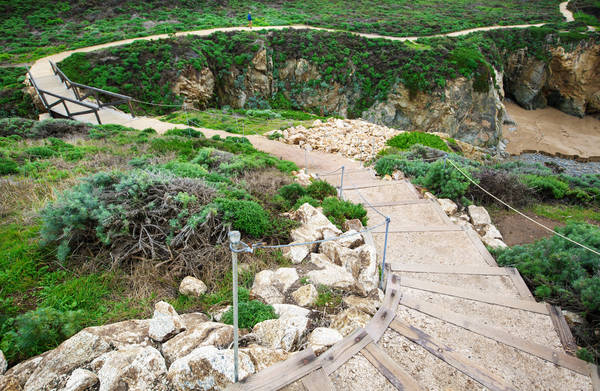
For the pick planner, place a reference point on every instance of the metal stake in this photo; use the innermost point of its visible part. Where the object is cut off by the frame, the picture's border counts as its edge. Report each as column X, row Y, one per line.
column 387, row 229
column 234, row 238
column 342, row 184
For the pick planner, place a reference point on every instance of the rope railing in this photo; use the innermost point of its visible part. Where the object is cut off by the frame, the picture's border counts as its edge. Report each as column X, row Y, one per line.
column 521, row 213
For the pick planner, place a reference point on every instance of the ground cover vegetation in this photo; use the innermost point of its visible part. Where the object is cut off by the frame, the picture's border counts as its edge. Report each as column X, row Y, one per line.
column 99, row 222
column 557, row 270
column 242, row 121
column 586, row 11
column 31, row 29
column 14, row 102
column 365, row 70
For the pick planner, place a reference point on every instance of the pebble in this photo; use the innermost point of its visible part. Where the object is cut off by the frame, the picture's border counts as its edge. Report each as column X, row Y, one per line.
column 571, row 167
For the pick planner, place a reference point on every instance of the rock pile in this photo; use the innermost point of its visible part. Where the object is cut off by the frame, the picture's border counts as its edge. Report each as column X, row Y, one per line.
column 475, row 217
column 355, row 139
column 191, row 352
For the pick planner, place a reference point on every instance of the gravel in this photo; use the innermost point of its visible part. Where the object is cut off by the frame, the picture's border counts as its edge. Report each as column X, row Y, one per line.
column 571, row 167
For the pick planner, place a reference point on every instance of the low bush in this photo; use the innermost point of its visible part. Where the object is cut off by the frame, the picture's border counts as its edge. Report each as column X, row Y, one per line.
column 37, row 331
column 444, row 182
column 304, row 199
column 547, row 186
column 26, row 128
column 292, row 193
column 250, row 313
column 187, row 132
column 339, row 211
column 320, row 190
column 503, row 185
column 8, row 166
column 246, row 216
column 405, row 141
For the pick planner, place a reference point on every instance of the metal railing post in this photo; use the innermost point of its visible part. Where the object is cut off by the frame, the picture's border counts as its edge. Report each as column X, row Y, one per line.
column 342, row 184
column 234, row 238
column 387, row 230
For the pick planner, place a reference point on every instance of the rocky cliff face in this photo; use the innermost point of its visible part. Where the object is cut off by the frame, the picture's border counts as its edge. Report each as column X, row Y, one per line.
column 570, row 81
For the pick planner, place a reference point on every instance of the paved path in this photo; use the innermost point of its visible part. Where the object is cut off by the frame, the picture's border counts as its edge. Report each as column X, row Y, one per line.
column 452, row 292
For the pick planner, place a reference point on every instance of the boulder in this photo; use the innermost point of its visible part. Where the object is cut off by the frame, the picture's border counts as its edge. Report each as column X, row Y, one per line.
column 193, row 319
column 263, row 357
column 365, row 304
column 290, row 310
column 73, row 353
column 165, row 323
column 135, row 368
column 349, row 320
column 479, row 216
column 354, row 224
column 80, row 380
column 366, row 277
column 322, row 338
column 205, row 334
column 448, row 206
column 493, row 242
column 306, row 295
column 10, row 383
column 23, row 370
column 3, row 363
column 191, row 286
column 338, row 254
column 329, row 274
column 207, row 368
column 492, row 232
column 197, row 86
column 351, row 239
column 296, row 254
column 315, row 225
column 120, row 334
column 270, row 286
column 283, row 333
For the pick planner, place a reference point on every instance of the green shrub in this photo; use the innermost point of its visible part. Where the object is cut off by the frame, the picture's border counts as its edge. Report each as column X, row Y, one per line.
column 405, row 141
column 187, row 132
column 444, row 182
column 339, row 211
column 246, row 216
column 585, row 355
column 37, row 331
column 320, row 190
column 547, row 186
column 8, row 166
column 250, row 313
column 304, row 199
column 291, row 193
column 386, row 165
column 40, row 152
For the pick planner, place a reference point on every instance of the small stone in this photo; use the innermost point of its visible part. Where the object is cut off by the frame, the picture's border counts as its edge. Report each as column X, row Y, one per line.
column 270, row 286
column 165, row 323
column 306, row 295
column 290, row 310
column 397, row 175
column 282, row 333
column 263, row 357
column 330, row 274
column 429, row 196
column 448, row 206
column 492, row 232
column 296, row 254
column 573, row 318
column 387, row 178
column 493, row 243
column 191, row 286
column 479, row 216
column 80, row 380
column 322, row 338
column 3, row 363
column 365, row 304
column 349, row 320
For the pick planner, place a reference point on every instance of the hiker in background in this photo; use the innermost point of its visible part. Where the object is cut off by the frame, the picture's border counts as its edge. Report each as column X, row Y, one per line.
column 249, row 20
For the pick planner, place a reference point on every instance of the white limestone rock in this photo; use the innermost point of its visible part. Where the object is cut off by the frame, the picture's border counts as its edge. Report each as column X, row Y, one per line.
column 206, row 334
column 3, row 363
column 263, row 357
column 207, row 368
column 351, row 239
column 191, row 286
column 271, row 286
column 306, row 295
column 284, row 333
column 132, row 368
column 349, row 320
column 165, row 323
column 329, row 274
column 80, row 380
column 492, row 232
column 448, row 206
column 290, row 310
column 479, row 216
column 322, row 338
column 121, row 334
column 296, row 254
column 73, row 353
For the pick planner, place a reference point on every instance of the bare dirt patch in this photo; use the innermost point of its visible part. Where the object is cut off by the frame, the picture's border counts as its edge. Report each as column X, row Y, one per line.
column 517, row 230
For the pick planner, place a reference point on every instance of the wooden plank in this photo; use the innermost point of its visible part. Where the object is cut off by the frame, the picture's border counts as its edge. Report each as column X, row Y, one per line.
column 474, row 236
column 421, row 228
column 317, row 381
column 517, row 280
column 489, row 298
column 543, row 352
column 449, row 269
column 281, row 374
column 388, row 368
column 448, row 355
column 386, row 313
column 562, row 329
column 343, row 351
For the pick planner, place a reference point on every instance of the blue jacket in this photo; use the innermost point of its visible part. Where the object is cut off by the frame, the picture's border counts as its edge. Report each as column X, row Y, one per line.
column 249, row 16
